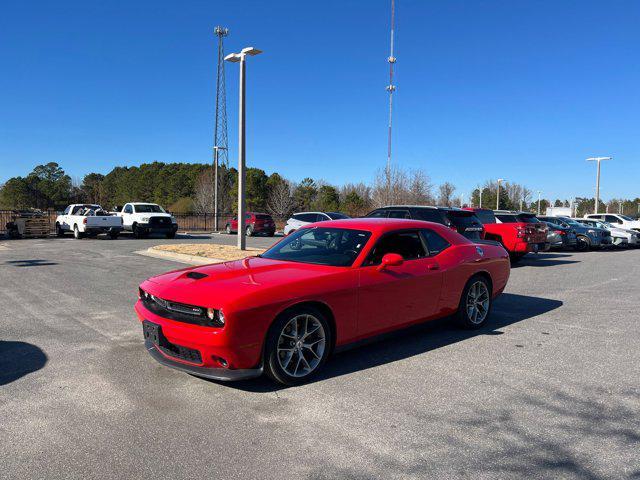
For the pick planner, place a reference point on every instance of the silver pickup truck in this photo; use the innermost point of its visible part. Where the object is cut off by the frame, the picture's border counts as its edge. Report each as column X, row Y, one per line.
column 87, row 220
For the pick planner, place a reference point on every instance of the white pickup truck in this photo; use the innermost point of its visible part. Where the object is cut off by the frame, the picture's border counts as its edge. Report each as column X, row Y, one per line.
column 87, row 220
column 145, row 218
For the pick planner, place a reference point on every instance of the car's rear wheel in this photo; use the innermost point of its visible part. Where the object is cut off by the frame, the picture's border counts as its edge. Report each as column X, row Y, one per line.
column 516, row 257
column 297, row 346
column 171, row 234
column 475, row 303
column 249, row 230
column 228, row 229
column 77, row 234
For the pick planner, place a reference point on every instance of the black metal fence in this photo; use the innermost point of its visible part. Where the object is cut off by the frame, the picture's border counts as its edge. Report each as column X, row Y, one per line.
column 189, row 222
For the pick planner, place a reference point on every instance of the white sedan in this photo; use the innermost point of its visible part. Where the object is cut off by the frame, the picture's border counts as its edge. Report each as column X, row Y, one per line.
column 301, row 219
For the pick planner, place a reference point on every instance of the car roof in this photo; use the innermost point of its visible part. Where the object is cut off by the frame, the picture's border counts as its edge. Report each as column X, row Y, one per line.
column 142, row 203
column 409, row 206
column 379, row 225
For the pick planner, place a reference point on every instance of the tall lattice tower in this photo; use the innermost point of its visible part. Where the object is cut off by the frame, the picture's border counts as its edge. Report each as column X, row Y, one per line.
column 220, row 139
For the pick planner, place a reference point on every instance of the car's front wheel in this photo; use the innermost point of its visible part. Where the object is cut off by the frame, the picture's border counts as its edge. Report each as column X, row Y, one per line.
column 475, row 303
column 228, row 229
column 59, row 230
column 297, row 346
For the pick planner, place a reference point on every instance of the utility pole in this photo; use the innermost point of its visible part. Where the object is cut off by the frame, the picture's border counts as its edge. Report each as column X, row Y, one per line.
column 461, row 200
column 598, row 160
column 390, row 88
column 481, row 198
column 241, row 58
column 539, row 192
column 220, row 140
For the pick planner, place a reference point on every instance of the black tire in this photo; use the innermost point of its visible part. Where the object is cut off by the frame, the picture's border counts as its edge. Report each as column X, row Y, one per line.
column 463, row 317
column 59, row 230
column 583, row 243
column 113, row 235
column 271, row 234
column 516, row 257
column 272, row 362
column 227, row 229
column 171, row 234
column 249, row 230
column 77, row 234
column 136, row 231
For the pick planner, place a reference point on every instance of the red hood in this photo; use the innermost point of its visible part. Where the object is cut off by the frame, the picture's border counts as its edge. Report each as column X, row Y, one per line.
column 225, row 283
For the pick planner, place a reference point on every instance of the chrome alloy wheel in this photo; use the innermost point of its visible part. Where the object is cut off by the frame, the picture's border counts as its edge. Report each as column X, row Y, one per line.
column 301, row 345
column 477, row 302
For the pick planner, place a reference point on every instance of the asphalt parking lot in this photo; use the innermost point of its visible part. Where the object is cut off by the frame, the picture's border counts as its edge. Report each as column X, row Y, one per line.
column 550, row 389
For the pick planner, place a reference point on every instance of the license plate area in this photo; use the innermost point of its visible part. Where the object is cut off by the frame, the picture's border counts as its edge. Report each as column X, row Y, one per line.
column 152, row 332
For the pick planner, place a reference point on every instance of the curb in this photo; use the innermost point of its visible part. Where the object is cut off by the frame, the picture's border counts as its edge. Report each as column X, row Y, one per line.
column 178, row 257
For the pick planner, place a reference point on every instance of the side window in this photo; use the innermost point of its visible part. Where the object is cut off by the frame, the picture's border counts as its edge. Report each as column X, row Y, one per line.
column 378, row 214
column 399, row 214
column 407, row 244
column 321, row 217
column 128, row 209
column 76, row 209
column 612, row 219
column 296, row 216
column 435, row 243
column 247, row 216
column 66, row 210
column 309, row 217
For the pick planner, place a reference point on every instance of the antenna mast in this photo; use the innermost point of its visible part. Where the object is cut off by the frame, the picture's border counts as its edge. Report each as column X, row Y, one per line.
column 220, row 140
column 391, row 87
column 220, row 130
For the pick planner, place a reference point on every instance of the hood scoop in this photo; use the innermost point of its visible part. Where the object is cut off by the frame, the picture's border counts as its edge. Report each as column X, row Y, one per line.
column 196, row 275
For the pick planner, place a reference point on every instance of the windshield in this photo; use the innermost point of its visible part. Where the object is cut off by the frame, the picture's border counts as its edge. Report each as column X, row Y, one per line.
column 336, row 247
column 149, row 209
column 571, row 222
column 528, row 218
column 508, row 218
column 337, row 216
column 486, row 216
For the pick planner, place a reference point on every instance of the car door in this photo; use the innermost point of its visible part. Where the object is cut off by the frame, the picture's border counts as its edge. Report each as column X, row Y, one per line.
column 127, row 215
column 397, row 295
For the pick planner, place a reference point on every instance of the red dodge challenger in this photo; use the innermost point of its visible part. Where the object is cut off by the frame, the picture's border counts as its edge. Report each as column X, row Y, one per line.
column 324, row 286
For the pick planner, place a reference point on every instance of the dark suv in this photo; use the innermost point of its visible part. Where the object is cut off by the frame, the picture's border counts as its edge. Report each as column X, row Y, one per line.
column 464, row 222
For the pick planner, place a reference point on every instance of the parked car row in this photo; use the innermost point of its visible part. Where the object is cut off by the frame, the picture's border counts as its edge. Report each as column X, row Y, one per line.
column 139, row 218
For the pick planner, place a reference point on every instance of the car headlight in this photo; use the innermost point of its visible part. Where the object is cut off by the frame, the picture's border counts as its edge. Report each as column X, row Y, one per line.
column 591, row 231
column 144, row 219
column 173, row 220
column 216, row 316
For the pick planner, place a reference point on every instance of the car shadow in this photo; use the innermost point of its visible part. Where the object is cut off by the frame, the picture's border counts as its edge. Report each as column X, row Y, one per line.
column 541, row 262
column 508, row 309
column 18, row 359
column 35, row 262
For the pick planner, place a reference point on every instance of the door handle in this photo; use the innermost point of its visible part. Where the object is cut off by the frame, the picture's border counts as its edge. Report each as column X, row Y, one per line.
column 433, row 266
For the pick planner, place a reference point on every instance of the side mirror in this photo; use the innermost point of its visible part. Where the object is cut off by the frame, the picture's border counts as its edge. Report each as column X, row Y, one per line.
column 117, row 208
column 390, row 260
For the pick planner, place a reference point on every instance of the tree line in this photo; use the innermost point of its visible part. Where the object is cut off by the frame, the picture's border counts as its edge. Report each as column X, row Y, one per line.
column 189, row 188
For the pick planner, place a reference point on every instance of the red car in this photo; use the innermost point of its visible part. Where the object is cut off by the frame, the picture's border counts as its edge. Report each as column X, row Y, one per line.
column 255, row 223
column 518, row 232
column 324, row 286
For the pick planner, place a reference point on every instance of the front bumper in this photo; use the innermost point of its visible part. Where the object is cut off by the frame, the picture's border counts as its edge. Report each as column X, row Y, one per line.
column 211, row 373
column 149, row 228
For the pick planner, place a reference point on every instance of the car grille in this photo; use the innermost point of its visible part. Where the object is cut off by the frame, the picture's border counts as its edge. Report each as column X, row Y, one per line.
column 159, row 221
column 178, row 351
column 180, row 312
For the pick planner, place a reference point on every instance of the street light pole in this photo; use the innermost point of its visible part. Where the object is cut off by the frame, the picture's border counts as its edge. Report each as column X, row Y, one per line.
column 241, row 57
column 539, row 192
column 481, row 197
column 498, row 196
column 598, row 160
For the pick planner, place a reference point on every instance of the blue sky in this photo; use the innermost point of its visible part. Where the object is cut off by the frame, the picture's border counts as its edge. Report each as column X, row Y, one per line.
column 523, row 90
